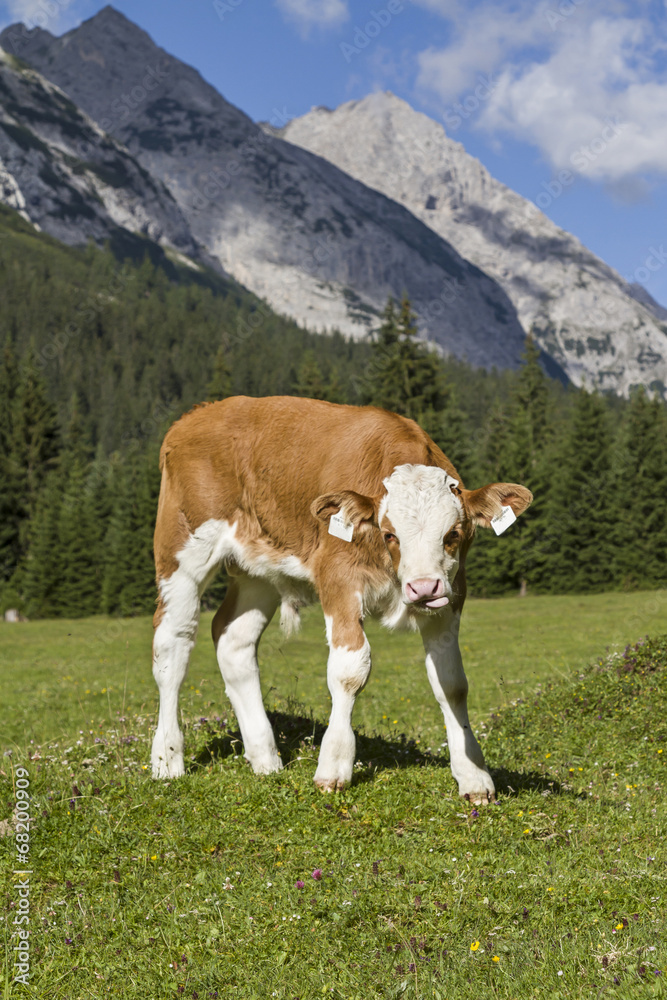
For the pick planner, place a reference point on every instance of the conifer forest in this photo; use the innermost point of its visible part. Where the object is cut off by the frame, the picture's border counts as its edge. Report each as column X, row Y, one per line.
column 100, row 355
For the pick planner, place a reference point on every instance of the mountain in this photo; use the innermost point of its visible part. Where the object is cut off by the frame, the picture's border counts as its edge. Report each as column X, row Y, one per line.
column 69, row 178
column 318, row 245
column 603, row 331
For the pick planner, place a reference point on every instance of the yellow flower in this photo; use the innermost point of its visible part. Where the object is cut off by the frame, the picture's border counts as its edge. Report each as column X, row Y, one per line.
column 550, row 889
column 153, row 857
column 474, row 946
column 526, row 831
column 495, row 959
column 619, row 927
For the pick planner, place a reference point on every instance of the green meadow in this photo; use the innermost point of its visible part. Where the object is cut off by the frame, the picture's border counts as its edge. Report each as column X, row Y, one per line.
column 225, row 884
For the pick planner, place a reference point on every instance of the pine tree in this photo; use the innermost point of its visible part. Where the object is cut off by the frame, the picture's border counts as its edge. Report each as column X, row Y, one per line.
column 220, row 385
column 35, row 433
column 527, row 448
column 39, row 573
column 129, row 581
column 403, row 375
column 639, row 495
column 11, row 500
column 577, row 547
column 309, row 380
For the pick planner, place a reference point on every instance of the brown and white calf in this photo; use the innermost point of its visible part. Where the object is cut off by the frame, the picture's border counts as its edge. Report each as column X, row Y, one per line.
column 252, row 485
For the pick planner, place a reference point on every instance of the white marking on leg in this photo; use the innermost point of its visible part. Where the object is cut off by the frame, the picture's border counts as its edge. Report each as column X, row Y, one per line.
column 347, row 673
column 172, row 644
column 251, row 605
column 444, row 668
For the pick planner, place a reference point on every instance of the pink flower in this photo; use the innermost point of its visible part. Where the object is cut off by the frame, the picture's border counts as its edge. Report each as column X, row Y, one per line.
column 317, row 874
column 299, row 884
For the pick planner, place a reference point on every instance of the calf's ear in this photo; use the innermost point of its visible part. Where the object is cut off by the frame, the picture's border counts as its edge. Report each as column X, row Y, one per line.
column 487, row 502
column 355, row 507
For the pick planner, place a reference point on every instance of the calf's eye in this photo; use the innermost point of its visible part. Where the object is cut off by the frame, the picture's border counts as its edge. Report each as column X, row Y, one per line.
column 452, row 537
column 388, row 537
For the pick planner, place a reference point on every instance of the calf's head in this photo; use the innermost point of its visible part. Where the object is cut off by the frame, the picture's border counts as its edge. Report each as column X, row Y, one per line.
column 427, row 523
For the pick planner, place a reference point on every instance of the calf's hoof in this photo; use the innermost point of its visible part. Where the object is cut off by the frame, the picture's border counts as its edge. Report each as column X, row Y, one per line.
column 330, row 784
column 172, row 767
column 478, row 789
column 480, row 798
column 265, row 765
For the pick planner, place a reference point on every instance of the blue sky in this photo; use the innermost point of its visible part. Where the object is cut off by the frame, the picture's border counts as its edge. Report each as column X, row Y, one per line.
column 565, row 101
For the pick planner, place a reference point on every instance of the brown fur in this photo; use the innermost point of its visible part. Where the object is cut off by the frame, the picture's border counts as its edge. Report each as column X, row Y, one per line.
column 278, row 467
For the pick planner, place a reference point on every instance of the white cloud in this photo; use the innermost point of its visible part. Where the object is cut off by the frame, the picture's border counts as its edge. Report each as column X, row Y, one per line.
column 588, row 88
column 308, row 14
column 52, row 15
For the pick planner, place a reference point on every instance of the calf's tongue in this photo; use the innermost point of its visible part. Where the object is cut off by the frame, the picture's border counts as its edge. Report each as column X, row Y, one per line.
column 438, row 602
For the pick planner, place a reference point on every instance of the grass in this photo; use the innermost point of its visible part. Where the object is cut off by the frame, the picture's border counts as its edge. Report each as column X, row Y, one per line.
column 224, row 884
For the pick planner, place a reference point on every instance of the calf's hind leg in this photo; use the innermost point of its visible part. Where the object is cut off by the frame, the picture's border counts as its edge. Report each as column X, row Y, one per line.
column 175, row 622
column 237, row 628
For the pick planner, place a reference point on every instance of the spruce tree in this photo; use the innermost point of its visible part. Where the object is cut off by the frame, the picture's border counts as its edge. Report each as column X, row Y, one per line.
column 639, row 495
column 11, row 498
column 129, row 582
column 527, row 452
column 577, row 546
column 35, row 434
column 220, row 385
column 403, row 375
column 39, row 573
column 309, row 379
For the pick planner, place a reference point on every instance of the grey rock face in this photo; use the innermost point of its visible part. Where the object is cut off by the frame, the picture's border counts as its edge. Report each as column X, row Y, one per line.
column 70, row 179
column 600, row 329
column 317, row 244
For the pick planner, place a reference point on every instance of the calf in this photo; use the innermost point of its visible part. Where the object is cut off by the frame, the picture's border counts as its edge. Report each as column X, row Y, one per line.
column 302, row 500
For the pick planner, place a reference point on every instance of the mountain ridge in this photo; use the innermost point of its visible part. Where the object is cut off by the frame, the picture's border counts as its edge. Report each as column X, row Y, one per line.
column 312, row 241
column 551, row 278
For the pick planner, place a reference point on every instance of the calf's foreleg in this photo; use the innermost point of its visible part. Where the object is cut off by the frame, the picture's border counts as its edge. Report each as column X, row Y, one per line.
column 348, row 669
column 444, row 668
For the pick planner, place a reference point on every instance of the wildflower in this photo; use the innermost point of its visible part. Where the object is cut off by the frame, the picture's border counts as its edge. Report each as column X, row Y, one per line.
column 228, row 884
column 317, row 874
column 299, row 884
column 495, row 959
column 560, row 972
column 475, row 813
column 474, row 946
column 619, row 927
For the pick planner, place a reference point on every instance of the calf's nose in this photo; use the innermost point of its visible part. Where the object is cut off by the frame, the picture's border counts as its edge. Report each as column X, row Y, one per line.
column 424, row 589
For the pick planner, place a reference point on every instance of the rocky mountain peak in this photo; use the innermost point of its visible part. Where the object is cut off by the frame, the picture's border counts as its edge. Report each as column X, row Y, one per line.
column 318, row 245
column 579, row 309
